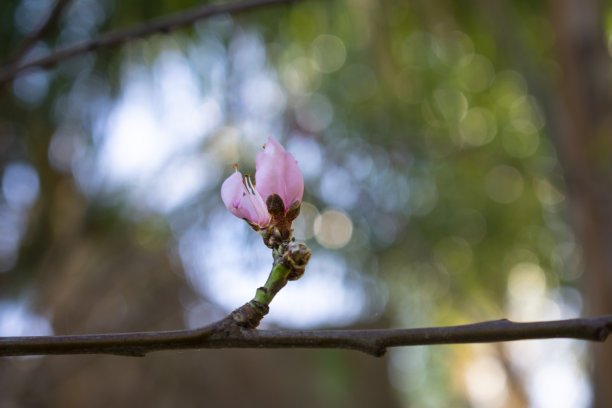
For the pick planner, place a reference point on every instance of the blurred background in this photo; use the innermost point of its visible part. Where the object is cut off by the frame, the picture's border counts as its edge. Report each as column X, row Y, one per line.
column 457, row 165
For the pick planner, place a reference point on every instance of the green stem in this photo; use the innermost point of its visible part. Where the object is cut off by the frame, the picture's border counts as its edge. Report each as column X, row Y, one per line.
column 276, row 281
column 290, row 259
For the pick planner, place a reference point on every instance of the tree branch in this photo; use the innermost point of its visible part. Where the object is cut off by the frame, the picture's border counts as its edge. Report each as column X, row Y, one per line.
column 43, row 29
column 118, row 37
column 228, row 333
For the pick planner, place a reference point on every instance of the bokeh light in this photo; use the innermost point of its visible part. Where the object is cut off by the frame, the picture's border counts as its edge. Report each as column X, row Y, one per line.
column 486, row 380
column 333, row 229
column 20, row 185
column 478, row 127
column 504, row 184
column 329, row 53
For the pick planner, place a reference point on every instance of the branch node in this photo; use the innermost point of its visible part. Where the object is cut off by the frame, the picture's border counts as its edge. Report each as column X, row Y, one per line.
column 250, row 314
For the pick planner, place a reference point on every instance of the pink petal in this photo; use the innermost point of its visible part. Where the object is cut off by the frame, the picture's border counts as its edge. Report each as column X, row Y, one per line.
column 243, row 203
column 231, row 191
column 277, row 172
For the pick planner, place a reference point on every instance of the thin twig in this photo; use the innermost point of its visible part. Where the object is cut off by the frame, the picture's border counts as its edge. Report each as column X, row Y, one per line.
column 227, row 334
column 43, row 29
column 118, row 37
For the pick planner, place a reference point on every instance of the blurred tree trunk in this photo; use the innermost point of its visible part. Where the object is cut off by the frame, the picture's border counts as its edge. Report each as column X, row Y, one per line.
column 585, row 143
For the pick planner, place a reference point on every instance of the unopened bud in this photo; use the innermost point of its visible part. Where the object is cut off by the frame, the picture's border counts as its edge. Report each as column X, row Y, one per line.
column 295, row 257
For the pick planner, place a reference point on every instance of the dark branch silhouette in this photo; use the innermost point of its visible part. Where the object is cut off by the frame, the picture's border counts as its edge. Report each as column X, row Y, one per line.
column 44, row 27
column 121, row 36
column 232, row 333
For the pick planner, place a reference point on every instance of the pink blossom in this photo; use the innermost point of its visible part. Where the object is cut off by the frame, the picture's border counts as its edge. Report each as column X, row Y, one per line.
column 242, row 200
column 276, row 172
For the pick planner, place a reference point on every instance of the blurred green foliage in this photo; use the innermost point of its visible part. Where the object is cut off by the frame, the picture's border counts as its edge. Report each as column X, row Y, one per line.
column 427, row 124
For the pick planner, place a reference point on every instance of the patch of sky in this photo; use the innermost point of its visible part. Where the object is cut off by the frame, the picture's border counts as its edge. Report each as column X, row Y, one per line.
column 16, row 319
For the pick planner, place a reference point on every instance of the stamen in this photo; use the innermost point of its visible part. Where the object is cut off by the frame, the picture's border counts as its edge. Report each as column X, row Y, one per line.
column 236, row 166
column 248, row 184
column 255, row 199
